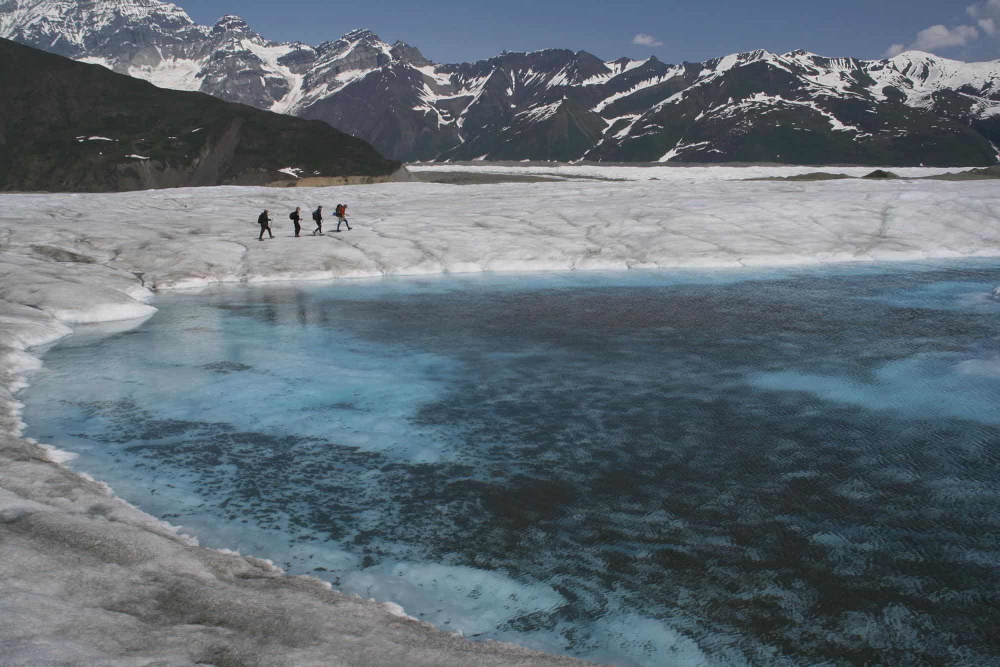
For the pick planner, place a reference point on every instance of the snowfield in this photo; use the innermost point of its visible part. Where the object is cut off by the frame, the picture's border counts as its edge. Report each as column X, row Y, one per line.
column 679, row 172
column 85, row 577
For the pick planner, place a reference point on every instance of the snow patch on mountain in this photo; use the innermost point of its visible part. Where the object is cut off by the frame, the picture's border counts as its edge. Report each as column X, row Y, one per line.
column 642, row 85
column 681, row 147
column 271, row 56
column 540, row 113
column 761, row 103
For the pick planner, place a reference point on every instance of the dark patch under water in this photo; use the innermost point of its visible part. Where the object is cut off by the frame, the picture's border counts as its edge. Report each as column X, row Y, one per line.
column 801, row 468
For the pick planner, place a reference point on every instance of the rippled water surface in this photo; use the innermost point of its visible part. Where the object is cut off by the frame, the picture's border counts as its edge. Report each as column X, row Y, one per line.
column 784, row 467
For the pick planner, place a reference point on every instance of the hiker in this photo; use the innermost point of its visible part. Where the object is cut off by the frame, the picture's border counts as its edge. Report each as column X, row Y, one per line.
column 342, row 216
column 295, row 216
column 318, row 217
column 265, row 225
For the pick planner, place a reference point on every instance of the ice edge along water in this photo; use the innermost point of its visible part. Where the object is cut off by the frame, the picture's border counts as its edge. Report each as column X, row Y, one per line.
column 70, row 259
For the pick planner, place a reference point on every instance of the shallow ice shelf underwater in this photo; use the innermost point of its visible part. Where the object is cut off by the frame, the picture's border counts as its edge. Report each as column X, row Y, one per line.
column 638, row 468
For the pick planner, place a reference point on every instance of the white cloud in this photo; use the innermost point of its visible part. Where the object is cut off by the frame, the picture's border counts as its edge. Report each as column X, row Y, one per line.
column 643, row 39
column 979, row 40
column 942, row 37
column 964, row 41
column 990, row 8
column 987, row 16
column 893, row 51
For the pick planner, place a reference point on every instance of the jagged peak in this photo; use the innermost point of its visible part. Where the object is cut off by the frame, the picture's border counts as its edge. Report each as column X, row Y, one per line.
column 231, row 23
column 361, row 34
column 802, row 53
column 27, row 12
column 625, row 64
column 566, row 53
column 810, row 59
column 756, row 54
column 48, row 22
column 124, row 7
column 741, row 57
column 402, row 51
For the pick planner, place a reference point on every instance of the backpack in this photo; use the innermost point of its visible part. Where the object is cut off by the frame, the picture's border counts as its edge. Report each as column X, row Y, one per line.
column 316, row 215
column 291, row 216
column 340, row 210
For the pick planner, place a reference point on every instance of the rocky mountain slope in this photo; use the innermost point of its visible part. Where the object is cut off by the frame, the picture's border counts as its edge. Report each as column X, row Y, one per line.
column 797, row 107
column 70, row 126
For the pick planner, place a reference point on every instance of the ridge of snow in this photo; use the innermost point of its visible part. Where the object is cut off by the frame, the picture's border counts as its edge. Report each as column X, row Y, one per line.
column 476, row 90
column 431, row 71
column 614, row 69
column 627, row 67
column 541, row 112
column 641, row 85
column 270, row 55
column 681, row 146
column 172, row 73
column 762, row 99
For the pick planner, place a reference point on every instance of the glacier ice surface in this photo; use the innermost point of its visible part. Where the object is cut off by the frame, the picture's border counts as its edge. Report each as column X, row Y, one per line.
column 74, row 557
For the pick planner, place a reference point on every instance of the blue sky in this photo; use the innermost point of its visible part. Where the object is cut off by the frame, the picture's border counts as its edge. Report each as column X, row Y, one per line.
column 673, row 30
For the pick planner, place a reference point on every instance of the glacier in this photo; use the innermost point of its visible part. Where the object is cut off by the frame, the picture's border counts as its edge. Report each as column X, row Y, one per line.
column 84, row 575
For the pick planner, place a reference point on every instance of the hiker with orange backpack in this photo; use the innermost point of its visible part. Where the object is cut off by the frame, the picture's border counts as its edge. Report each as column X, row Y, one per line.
column 341, row 213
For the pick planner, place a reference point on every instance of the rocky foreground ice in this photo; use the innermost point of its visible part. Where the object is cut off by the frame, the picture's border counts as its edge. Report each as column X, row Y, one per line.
column 86, row 578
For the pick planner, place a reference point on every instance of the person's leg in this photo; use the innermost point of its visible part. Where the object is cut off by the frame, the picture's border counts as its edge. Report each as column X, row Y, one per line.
column 269, row 232
column 261, row 237
column 339, row 220
column 295, row 222
column 348, row 224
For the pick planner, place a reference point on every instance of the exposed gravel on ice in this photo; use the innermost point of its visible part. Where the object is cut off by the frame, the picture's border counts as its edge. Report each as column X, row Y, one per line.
column 86, row 578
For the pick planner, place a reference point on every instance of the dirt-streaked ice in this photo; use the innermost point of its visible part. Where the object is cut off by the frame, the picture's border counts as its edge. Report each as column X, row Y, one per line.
column 85, row 577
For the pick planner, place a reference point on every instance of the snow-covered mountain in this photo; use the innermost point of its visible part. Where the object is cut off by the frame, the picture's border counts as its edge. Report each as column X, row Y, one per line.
column 796, row 107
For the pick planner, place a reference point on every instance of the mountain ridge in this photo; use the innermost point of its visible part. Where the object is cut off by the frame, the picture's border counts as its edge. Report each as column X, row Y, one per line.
column 551, row 104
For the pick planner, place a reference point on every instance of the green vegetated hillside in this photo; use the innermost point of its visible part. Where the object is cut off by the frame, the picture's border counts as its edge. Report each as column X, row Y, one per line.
column 68, row 126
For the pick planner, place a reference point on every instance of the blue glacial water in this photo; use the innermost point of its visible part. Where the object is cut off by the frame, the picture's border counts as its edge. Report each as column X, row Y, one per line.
column 768, row 467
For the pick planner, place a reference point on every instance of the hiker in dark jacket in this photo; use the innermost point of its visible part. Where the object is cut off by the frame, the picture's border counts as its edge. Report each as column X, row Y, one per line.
column 265, row 225
column 295, row 216
column 318, row 217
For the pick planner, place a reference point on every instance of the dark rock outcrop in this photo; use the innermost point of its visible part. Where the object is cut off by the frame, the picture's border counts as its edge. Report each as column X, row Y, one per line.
column 67, row 126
